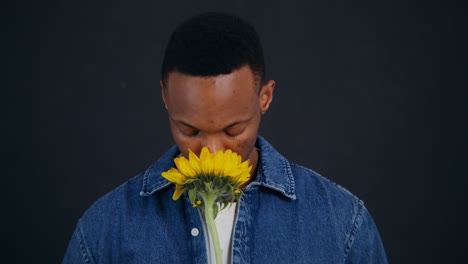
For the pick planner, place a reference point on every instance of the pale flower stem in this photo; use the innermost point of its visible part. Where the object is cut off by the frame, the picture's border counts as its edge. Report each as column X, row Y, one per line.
column 209, row 217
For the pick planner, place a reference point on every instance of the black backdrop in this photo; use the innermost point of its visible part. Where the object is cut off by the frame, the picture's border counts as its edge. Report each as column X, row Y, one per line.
column 370, row 94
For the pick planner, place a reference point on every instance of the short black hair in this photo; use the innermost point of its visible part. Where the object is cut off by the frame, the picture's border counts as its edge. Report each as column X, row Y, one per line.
column 211, row 44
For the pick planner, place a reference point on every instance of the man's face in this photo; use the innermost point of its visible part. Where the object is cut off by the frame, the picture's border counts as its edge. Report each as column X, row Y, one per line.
column 220, row 112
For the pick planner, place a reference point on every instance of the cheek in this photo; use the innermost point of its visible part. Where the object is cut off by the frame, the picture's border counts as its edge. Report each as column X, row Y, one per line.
column 245, row 147
column 184, row 144
column 245, row 143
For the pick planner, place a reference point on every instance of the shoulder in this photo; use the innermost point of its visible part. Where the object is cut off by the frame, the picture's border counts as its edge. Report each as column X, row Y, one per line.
column 332, row 203
column 132, row 192
column 97, row 225
column 296, row 181
column 102, row 213
column 112, row 200
column 345, row 213
column 310, row 183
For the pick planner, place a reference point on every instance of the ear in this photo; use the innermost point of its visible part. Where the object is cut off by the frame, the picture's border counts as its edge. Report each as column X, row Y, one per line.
column 163, row 93
column 266, row 95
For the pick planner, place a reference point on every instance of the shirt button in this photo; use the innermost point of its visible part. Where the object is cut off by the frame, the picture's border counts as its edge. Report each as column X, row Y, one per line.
column 195, row 232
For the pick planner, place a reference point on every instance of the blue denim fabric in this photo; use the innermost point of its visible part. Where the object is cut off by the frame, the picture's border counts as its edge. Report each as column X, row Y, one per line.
column 288, row 214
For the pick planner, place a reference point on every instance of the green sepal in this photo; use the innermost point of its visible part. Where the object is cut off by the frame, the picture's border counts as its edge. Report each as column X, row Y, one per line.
column 190, row 180
column 224, row 204
column 208, row 186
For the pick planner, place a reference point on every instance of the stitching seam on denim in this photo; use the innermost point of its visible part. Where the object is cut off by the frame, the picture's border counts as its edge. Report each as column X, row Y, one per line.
column 84, row 249
column 145, row 183
column 291, row 186
column 357, row 220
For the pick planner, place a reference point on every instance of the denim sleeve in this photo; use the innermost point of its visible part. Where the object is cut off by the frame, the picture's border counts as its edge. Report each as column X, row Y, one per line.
column 366, row 247
column 77, row 252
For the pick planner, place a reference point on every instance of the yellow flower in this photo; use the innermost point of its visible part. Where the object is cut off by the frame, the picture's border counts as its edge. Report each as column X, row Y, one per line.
column 207, row 168
column 212, row 181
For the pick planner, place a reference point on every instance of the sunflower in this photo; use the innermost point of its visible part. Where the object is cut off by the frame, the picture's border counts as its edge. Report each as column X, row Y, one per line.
column 212, row 181
column 220, row 172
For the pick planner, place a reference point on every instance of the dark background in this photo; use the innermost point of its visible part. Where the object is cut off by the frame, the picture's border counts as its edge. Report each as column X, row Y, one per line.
column 370, row 94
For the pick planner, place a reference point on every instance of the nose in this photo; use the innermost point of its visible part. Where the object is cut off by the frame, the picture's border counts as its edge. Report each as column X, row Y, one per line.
column 214, row 144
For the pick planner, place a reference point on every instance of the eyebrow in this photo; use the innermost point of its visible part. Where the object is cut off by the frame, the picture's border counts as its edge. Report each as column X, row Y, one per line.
column 228, row 126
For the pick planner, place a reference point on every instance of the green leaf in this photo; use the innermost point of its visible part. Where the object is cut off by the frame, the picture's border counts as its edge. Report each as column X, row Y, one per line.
column 192, row 194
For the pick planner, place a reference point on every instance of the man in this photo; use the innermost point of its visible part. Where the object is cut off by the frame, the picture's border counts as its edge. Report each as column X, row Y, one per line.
column 214, row 89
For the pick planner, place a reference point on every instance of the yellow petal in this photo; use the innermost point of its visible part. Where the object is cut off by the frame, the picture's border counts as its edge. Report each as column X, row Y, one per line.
column 207, row 166
column 249, row 169
column 206, row 161
column 228, row 165
column 184, row 166
column 244, row 166
column 234, row 159
column 205, row 154
column 218, row 163
column 178, row 192
column 244, row 177
column 173, row 175
column 194, row 162
column 240, row 173
column 228, row 153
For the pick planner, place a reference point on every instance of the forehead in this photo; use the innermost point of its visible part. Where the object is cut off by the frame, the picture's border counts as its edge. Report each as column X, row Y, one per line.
column 215, row 99
column 243, row 76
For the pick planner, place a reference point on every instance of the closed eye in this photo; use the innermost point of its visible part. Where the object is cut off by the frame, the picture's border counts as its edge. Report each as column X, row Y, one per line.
column 188, row 130
column 191, row 133
column 234, row 130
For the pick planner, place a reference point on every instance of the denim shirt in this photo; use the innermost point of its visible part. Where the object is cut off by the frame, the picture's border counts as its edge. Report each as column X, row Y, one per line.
column 287, row 214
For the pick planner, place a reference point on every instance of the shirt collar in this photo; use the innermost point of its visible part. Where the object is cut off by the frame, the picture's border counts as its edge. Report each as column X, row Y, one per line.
column 275, row 171
column 152, row 179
